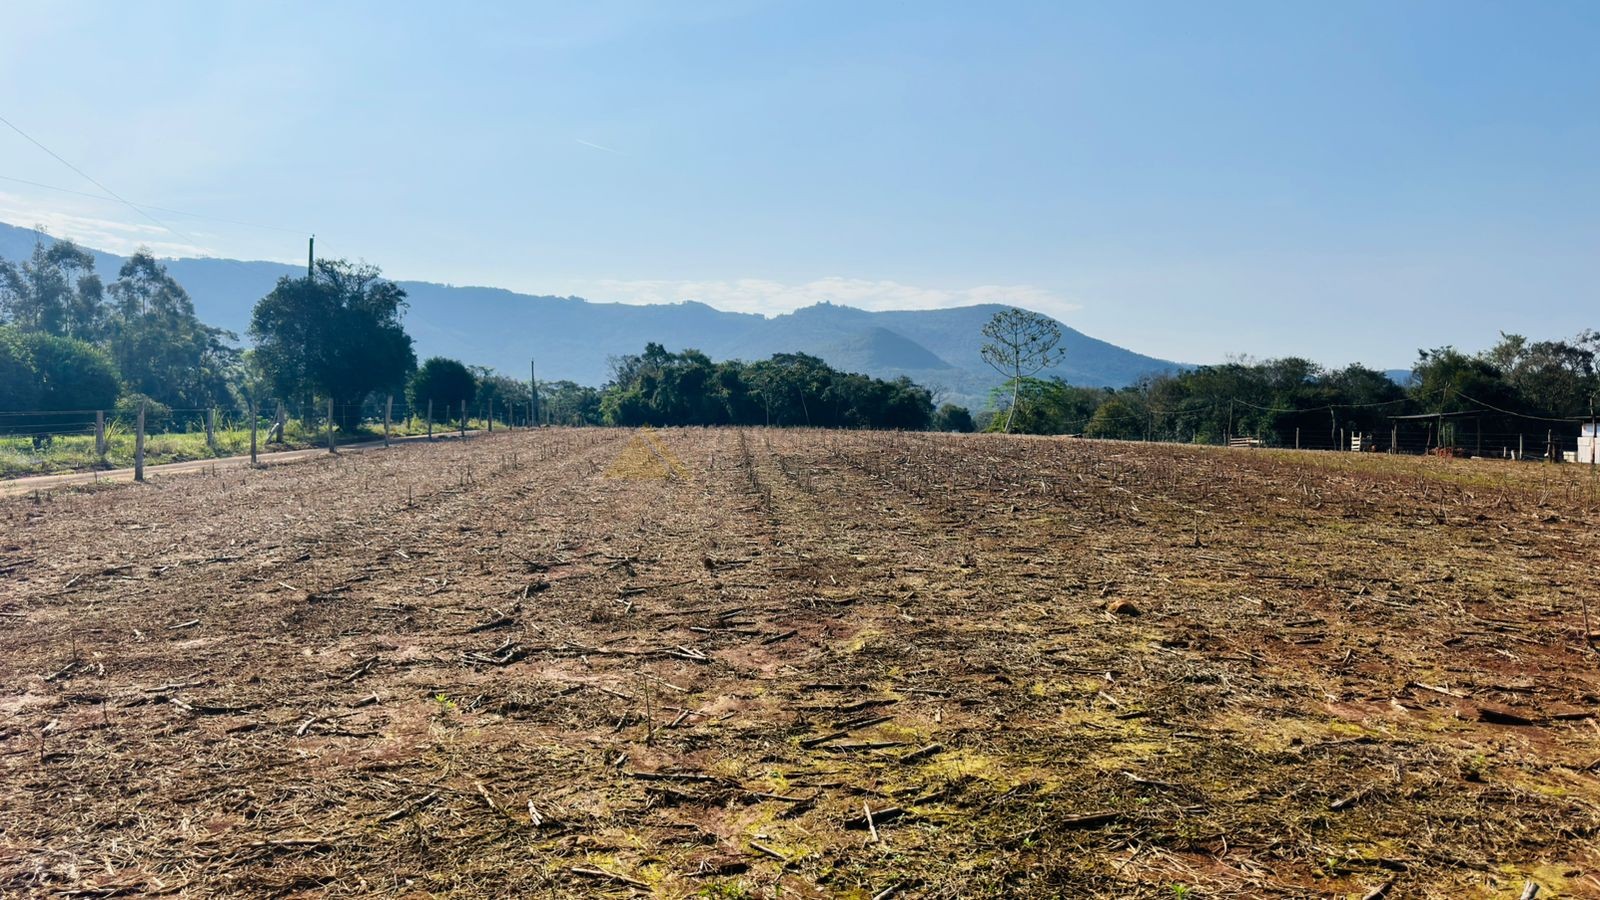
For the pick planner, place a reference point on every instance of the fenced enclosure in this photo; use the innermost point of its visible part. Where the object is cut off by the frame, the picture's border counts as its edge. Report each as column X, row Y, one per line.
column 38, row 442
column 46, row 442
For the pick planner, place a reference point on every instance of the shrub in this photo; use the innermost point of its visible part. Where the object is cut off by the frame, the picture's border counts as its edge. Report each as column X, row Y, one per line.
column 951, row 417
column 157, row 416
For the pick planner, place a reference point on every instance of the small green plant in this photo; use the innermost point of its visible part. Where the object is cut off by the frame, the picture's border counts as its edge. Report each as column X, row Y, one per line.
column 1181, row 891
column 1475, row 768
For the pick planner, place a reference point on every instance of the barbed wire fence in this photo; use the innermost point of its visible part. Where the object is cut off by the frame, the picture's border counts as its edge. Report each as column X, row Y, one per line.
column 46, row 441
column 52, row 441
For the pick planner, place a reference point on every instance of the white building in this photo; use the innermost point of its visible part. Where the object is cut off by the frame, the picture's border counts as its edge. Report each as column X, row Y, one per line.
column 1588, row 443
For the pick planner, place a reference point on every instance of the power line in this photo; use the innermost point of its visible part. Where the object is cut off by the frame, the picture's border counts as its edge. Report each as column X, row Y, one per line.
column 1323, row 408
column 85, row 175
column 1507, row 411
column 176, row 212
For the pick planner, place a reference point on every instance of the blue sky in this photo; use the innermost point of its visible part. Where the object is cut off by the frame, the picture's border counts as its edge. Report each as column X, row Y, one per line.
column 1344, row 181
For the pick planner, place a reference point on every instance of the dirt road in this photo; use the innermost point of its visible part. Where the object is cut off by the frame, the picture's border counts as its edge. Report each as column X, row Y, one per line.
column 16, row 487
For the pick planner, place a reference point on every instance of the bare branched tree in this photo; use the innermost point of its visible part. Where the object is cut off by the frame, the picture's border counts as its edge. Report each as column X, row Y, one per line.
column 1021, row 344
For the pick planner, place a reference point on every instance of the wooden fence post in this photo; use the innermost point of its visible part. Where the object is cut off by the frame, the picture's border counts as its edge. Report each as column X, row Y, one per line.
column 388, row 410
column 100, row 434
column 463, row 418
column 330, row 426
column 211, row 429
column 253, row 423
column 1297, row 437
column 430, row 420
column 491, row 415
column 138, row 443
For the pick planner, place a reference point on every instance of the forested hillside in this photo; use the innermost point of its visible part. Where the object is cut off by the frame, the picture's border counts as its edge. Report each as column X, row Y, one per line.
column 573, row 338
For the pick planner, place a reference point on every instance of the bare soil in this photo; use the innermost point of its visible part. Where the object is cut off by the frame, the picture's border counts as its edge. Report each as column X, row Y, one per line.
column 809, row 664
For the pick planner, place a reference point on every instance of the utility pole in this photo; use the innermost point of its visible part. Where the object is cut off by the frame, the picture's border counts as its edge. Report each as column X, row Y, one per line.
column 533, row 392
column 311, row 256
column 138, row 443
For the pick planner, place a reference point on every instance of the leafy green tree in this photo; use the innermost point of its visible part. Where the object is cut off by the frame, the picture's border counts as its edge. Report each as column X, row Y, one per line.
column 335, row 335
column 1370, row 398
column 70, row 374
column 793, row 389
column 659, row 387
column 570, row 403
column 1447, row 380
column 950, row 417
column 1019, row 344
column 907, row 406
column 1049, row 406
column 1285, row 396
column 55, row 292
column 1179, row 410
column 19, row 390
column 663, row 388
column 157, row 415
column 508, row 396
column 1122, row 417
column 1550, row 378
column 251, row 386
column 159, row 346
column 1280, row 400
column 446, row 383
column 61, row 379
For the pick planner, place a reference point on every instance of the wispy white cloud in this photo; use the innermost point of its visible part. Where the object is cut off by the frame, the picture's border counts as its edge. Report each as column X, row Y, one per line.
column 596, row 146
column 98, row 232
column 767, row 297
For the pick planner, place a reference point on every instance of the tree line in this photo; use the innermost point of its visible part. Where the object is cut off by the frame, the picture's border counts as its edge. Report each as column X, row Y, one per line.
column 334, row 340
column 659, row 387
column 334, row 337
column 1516, row 386
column 68, row 341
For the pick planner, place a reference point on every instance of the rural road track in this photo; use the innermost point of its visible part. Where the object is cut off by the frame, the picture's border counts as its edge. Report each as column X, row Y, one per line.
column 19, row 486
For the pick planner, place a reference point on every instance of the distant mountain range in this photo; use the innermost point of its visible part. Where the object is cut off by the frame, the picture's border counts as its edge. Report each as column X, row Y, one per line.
column 572, row 338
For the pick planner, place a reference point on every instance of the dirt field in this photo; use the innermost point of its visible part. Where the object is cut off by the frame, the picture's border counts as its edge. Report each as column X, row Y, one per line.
column 763, row 663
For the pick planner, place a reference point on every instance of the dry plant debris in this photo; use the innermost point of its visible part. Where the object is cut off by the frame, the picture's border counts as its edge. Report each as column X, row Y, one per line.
column 810, row 664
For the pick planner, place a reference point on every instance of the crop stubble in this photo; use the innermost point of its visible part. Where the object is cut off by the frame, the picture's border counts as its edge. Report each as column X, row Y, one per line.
column 591, row 661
